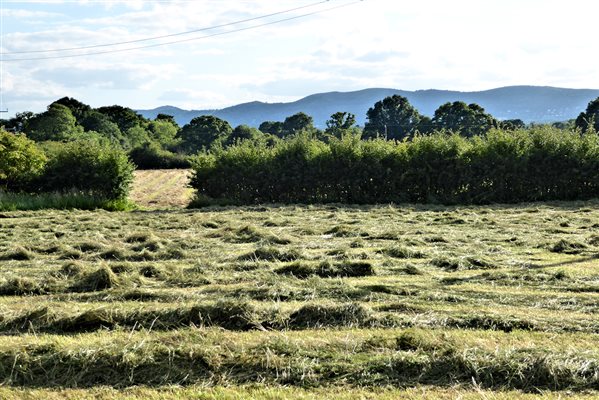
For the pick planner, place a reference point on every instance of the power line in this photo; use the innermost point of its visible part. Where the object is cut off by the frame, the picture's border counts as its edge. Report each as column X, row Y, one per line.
column 169, row 35
column 189, row 39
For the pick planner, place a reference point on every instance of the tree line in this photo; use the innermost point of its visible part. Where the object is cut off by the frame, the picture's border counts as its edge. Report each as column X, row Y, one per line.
column 161, row 142
column 95, row 150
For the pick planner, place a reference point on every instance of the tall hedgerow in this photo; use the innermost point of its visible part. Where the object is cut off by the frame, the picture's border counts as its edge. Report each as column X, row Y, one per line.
column 542, row 163
column 86, row 166
column 20, row 160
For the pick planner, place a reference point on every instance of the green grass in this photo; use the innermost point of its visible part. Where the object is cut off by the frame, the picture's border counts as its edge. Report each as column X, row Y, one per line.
column 301, row 302
column 60, row 201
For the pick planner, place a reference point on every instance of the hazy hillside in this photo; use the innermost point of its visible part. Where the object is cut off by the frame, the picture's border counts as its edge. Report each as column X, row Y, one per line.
column 529, row 103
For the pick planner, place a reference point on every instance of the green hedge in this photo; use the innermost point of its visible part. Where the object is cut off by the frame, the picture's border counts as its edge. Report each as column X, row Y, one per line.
column 152, row 156
column 87, row 167
column 525, row 165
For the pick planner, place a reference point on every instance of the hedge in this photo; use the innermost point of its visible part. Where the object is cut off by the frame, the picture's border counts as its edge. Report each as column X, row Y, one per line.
column 87, row 167
column 539, row 164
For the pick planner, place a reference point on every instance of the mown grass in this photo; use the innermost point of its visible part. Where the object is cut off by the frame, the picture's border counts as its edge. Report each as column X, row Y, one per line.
column 301, row 302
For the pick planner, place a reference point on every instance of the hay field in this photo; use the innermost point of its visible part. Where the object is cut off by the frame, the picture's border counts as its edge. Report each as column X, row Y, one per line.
column 301, row 302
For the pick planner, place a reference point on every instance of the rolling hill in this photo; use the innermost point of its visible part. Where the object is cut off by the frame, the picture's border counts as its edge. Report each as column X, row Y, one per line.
column 529, row 103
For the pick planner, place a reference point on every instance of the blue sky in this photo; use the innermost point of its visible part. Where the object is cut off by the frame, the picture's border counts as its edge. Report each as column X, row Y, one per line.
column 411, row 45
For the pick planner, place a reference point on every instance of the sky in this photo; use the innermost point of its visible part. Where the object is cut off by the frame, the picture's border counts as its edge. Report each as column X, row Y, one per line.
column 344, row 45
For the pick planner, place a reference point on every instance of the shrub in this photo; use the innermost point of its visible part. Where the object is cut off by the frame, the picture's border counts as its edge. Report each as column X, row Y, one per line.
column 86, row 166
column 538, row 164
column 20, row 159
column 152, row 156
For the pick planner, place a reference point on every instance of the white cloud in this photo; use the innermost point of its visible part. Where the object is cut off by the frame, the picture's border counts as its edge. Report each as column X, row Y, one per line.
column 462, row 44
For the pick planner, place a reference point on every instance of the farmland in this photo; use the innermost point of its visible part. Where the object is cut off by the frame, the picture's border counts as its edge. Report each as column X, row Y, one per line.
column 159, row 189
column 301, row 301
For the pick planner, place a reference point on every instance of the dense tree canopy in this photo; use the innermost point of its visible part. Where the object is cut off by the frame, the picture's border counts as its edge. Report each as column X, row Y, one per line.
column 97, row 122
column 466, row 119
column 393, row 117
column 203, row 132
column 124, row 117
column 80, row 110
column 590, row 117
column 297, row 123
column 243, row 132
column 272, row 127
column 168, row 118
column 512, row 124
column 20, row 159
column 58, row 124
column 164, row 131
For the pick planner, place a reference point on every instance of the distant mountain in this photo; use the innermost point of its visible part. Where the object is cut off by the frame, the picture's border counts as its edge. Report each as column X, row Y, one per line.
column 528, row 103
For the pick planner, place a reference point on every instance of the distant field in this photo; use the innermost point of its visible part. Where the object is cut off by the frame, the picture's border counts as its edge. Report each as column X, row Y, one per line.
column 165, row 188
column 495, row 302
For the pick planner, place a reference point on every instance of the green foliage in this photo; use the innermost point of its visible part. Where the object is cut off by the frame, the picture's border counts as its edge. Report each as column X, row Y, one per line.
column 79, row 110
column 297, row 123
column 151, row 156
column 543, row 163
column 589, row 119
column 86, row 166
column 58, row 124
column 393, row 118
column 20, row 159
column 272, row 127
column 514, row 124
column 466, row 119
column 167, row 118
column 134, row 137
column 18, row 122
column 203, row 132
column 124, row 117
column 341, row 124
column 164, row 130
column 244, row 132
column 97, row 122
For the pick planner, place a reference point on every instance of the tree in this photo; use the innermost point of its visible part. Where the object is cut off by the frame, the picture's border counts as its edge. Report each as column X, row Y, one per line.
column 466, row 119
column 20, row 159
column 135, row 137
column 168, row 118
column 202, row 132
column 124, row 117
column 163, row 131
column 341, row 120
column 243, row 132
column 58, row 124
column 80, row 110
column 18, row 122
column 589, row 119
column 297, row 123
column 340, row 123
column 97, row 122
column 272, row 127
column 512, row 124
column 425, row 125
column 393, row 117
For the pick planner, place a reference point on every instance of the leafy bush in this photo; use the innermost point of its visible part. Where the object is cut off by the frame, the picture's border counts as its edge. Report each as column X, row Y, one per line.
column 20, row 159
column 86, row 166
column 151, row 156
column 539, row 164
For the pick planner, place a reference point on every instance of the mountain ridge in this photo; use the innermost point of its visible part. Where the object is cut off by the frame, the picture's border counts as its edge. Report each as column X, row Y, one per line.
column 540, row 104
